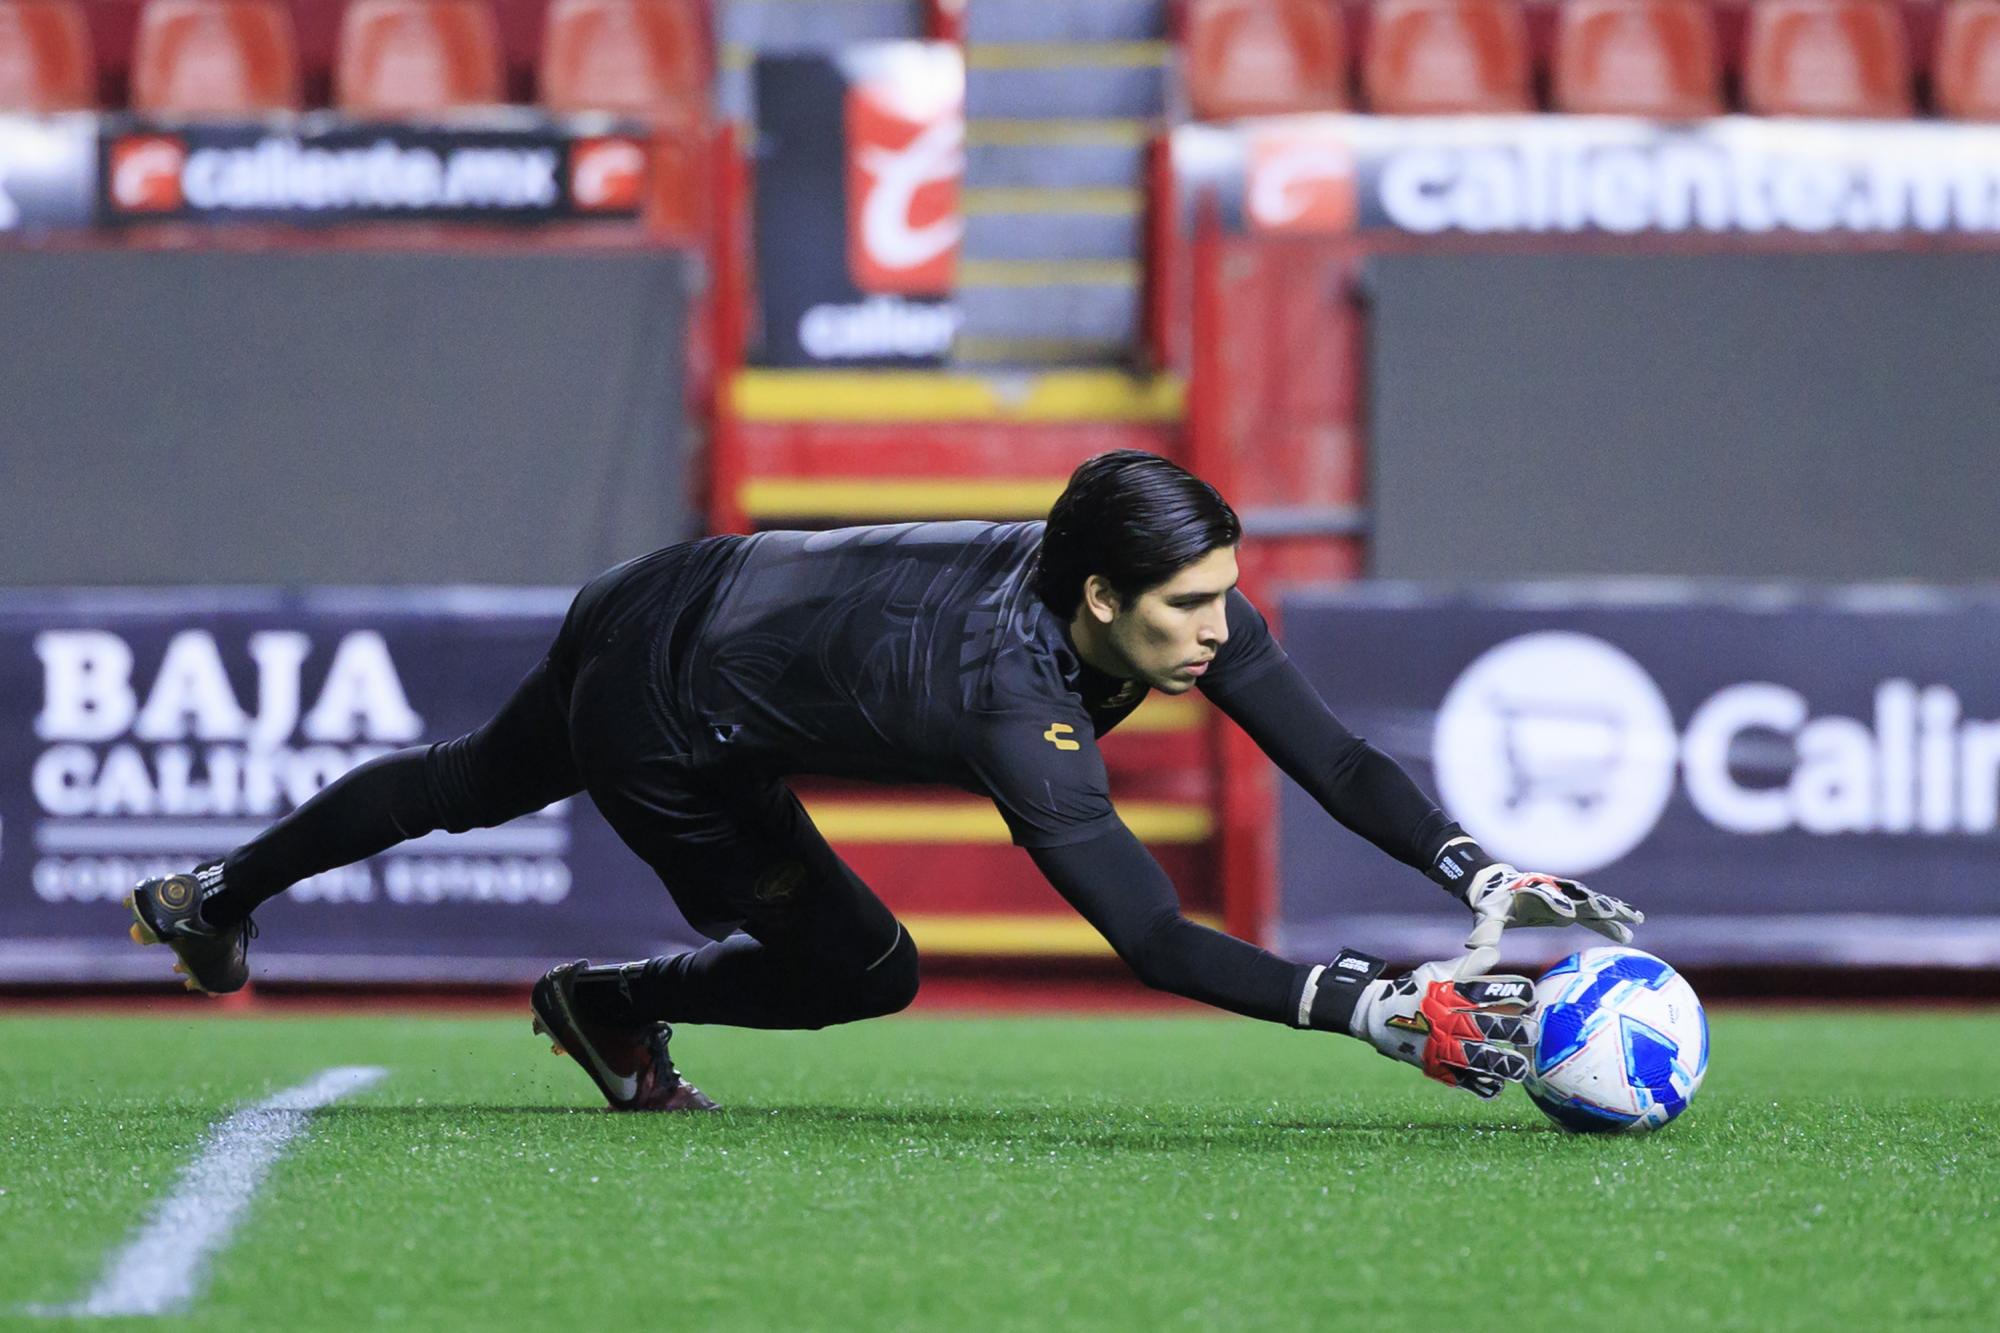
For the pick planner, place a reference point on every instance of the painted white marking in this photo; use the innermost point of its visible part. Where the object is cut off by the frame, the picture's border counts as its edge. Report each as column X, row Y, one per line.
column 160, row 1270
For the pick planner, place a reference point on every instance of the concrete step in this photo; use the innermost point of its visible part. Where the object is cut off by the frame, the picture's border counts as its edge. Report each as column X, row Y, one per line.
column 1091, row 80
column 1095, row 301
column 1065, row 20
column 1051, row 224
column 1056, row 154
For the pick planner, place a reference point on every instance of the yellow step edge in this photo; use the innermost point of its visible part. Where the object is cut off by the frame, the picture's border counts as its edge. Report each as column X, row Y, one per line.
column 1109, row 202
column 1067, row 55
column 1010, row 132
column 1023, row 936
column 972, row 348
column 1048, row 273
column 936, row 396
column 882, row 500
column 843, row 819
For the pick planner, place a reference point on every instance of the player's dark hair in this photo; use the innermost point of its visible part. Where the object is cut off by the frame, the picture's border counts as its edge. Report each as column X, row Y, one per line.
column 1135, row 519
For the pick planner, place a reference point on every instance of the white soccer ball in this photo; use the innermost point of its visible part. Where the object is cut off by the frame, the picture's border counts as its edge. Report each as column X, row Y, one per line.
column 1623, row 1043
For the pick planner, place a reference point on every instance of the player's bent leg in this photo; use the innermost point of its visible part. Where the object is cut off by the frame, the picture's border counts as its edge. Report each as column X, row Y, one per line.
column 516, row 763
column 628, row 1060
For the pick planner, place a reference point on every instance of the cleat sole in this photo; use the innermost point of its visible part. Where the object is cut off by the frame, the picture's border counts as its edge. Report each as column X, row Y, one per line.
column 540, row 1029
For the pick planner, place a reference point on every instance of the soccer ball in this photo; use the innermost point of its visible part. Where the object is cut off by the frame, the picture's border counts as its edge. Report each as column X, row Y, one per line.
column 1623, row 1043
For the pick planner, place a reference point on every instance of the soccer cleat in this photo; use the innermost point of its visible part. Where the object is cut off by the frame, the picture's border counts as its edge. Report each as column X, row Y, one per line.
column 168, row 911
column 629, row 1064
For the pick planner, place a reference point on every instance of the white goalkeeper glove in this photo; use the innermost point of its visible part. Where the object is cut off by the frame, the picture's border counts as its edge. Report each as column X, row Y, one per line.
column 1460, row 1027
column 1501, row 896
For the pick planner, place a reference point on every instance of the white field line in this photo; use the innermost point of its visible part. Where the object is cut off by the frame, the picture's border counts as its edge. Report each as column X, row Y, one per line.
column 160, row 1270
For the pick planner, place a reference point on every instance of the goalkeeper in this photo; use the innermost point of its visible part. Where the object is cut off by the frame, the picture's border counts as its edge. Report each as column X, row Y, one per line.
column 686, row 685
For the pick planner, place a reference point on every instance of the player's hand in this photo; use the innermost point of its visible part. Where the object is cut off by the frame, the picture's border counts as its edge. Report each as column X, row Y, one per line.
column 1502, row 896
column 1459, row 1026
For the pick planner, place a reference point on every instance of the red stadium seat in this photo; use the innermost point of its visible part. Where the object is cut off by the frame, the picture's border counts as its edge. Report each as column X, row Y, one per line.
column 214, row 58
column 1844, row 58
column 635, row 57
column 413, row 57
column 1264, row 57
column 1638, row 58
column 1447, row 57
column 45, row 61
column 1966, row 74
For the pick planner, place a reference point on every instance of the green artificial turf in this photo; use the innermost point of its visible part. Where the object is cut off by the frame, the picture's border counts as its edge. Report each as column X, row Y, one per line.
column 1839, row 1169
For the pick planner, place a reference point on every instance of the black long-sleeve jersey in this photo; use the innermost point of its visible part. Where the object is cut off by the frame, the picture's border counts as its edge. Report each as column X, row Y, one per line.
column 920, row 653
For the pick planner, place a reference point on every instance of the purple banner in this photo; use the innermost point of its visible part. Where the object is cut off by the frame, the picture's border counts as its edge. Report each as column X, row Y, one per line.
column 1772, row 774
column 142, row 732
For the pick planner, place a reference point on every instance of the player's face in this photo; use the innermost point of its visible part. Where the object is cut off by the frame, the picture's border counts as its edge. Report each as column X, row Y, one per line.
column 1169, row 634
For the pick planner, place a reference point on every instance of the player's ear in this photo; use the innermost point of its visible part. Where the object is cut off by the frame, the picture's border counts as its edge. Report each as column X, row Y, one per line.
column 1100, row 599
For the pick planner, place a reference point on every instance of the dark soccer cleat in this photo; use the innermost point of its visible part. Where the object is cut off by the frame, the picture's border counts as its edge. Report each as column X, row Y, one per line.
column 168, row 911
column 629, row 1064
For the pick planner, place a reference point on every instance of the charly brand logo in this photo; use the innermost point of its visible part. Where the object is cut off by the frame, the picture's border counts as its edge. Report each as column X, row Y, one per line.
column 1057, row 732
column 1556, row 750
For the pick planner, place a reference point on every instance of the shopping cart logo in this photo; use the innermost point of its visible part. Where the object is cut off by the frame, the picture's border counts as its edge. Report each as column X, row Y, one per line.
column 1558, row 752
column 1556, row 749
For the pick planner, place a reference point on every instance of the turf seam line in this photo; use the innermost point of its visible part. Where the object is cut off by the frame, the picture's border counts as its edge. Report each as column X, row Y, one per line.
column 161, row 1268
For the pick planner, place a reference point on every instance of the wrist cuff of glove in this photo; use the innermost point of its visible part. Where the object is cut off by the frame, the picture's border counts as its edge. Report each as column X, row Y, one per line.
column 1329, row 993
column 1458, row 861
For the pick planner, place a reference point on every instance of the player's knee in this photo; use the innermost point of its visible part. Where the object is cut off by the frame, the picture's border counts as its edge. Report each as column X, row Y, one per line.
column 891, row 984
column 1157, row 957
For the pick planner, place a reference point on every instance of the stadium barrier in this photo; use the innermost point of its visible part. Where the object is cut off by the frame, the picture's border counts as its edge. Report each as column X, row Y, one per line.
column 1774, row 774
column 154, row 729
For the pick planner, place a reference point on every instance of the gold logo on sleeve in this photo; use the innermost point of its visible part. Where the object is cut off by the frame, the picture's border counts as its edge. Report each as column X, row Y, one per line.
column 1054, row 736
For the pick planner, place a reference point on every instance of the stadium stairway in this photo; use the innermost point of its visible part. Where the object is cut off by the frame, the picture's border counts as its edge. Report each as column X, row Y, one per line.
column 820, row 448
column 1061, row 98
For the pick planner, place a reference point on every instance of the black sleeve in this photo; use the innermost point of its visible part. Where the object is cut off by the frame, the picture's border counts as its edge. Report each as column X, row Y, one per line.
column 1356, row 783
column 1122, row 891
column 1044, row 772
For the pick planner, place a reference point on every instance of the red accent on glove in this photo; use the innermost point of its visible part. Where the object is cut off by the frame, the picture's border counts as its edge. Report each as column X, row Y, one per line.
column 1446, row 1009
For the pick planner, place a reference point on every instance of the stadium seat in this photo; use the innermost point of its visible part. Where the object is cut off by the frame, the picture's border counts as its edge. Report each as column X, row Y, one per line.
column 1638, row 58
column 45, row 60
column 1966, row 73
column 214, row 58
column 1447, row 57
column 1838, row 58
column 1264, row 57
column 414, row 57
column 644, row 58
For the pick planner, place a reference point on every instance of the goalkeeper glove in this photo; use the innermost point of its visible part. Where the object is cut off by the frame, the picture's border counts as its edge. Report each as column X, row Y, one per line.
column 1501, row 896
column 1468, row 1030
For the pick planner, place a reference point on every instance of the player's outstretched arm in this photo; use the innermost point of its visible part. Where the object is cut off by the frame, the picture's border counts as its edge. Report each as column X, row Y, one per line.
column 1370, row 793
